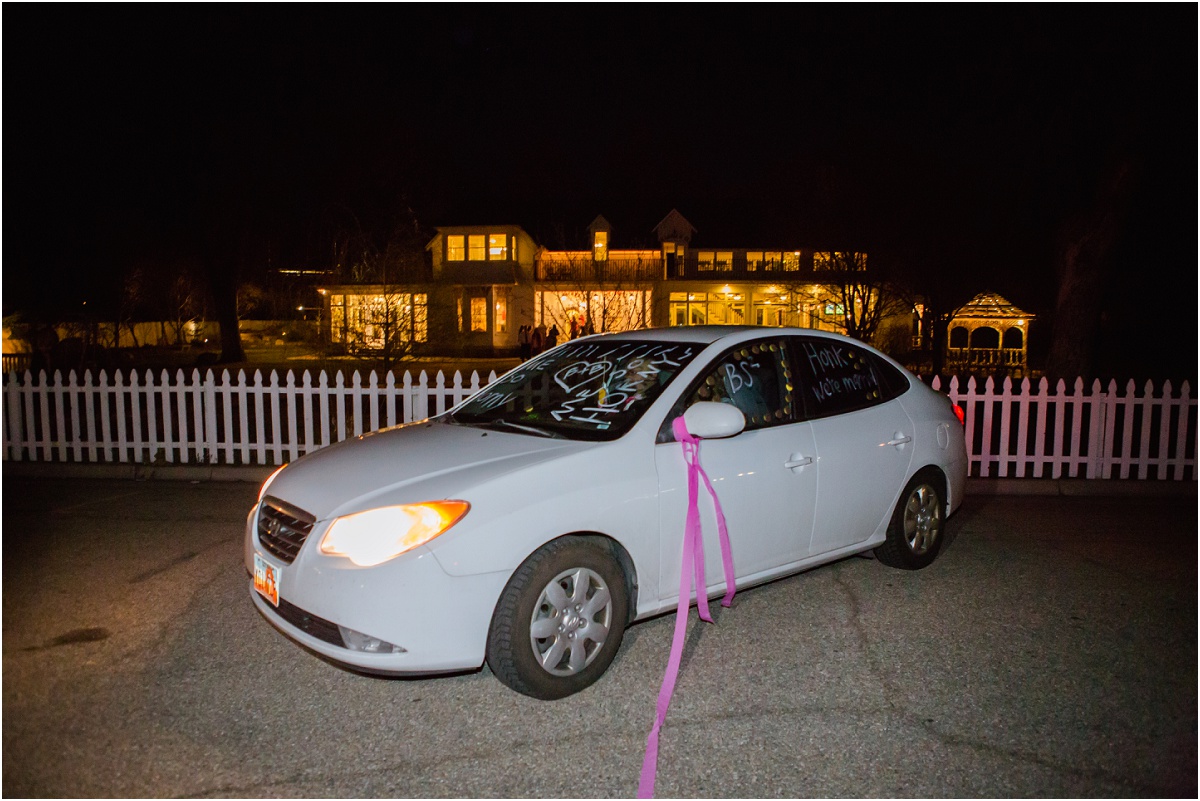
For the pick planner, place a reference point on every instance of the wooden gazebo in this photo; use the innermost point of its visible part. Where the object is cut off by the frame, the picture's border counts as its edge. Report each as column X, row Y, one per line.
column 989, row 335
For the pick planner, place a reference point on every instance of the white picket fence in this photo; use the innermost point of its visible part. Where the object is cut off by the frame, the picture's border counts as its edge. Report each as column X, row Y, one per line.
column 1018, row 431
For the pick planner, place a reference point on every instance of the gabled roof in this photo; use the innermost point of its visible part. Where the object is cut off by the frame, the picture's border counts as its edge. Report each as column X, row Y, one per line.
column 989, row 305
column 674, row 227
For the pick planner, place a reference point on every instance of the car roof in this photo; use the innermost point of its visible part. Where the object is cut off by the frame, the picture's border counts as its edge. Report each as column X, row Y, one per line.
column 707, row 334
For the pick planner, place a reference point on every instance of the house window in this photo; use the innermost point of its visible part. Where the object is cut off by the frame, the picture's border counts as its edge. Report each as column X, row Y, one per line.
column 771, row 260
column 456, row 247
column 705, row 259
column 600, row 245
column 498, row 247
column 379, row 321
column 701, row 308
column 337, row 318
column 754, row 260
column 501, row 314
column 479, row 314
column 476, row 250
column 791, row 261
column 724, row 260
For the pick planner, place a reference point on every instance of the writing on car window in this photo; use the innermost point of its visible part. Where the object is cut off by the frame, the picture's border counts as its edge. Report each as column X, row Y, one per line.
column 593, row 390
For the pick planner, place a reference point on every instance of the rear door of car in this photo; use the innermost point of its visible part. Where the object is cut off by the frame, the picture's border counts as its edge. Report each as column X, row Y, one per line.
column 765, row 477
column 863, row 436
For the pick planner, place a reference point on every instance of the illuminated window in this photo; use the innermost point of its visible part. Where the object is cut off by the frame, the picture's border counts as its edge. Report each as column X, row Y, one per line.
column 337, row 318
column 791, row 261
column 754, row 260
column 456, row 247
column 600, row 245
column 772, row 260
column 497, row 247
column 476, row 251
column 479, row 313
column 379, row 321
column 705, row 259
column 501, row 314
column 700, row 308
column 724, row 260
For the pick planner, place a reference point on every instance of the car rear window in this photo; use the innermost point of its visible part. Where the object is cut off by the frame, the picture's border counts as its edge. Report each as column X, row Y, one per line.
column 838, row 376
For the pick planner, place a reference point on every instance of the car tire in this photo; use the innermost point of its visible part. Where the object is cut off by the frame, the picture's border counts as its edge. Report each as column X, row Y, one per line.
column 918, row 526
column 560, row 620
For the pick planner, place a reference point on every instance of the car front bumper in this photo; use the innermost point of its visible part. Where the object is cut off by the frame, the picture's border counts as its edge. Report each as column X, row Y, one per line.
column 440, row 621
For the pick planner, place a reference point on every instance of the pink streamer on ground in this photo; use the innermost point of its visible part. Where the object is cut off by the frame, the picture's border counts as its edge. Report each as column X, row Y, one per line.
column 692, row 566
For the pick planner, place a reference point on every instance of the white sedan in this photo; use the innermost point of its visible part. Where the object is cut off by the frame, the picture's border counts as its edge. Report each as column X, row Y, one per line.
column 530, row 525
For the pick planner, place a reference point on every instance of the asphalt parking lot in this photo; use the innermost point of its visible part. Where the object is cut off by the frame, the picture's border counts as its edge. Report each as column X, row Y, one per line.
column 1049, row 652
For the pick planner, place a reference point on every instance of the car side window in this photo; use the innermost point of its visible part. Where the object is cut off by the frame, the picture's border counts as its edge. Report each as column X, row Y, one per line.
column 755, row 377
column 837, row 376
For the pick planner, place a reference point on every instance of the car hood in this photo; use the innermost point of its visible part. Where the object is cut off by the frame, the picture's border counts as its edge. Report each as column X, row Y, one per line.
column 416, row 462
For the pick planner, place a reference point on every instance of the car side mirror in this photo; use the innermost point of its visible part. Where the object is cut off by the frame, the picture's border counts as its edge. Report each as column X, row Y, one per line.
column 708, row 420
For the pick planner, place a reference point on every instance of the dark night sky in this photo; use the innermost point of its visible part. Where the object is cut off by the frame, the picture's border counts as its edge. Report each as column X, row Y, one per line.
column 968, row 133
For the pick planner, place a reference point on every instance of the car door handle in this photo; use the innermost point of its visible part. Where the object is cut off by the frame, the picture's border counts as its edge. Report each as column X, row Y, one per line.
column 899, row 439
column 797, row 461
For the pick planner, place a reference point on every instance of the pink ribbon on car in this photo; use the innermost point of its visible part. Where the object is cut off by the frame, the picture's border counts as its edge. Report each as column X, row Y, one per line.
column 692, row 566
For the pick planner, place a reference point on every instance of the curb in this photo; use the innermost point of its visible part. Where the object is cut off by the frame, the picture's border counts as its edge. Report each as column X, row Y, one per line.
column 137, row 472
column 1082, row 487
column 1063, row 487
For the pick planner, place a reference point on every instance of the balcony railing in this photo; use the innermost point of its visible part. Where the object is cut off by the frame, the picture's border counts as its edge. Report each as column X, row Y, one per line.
column 985, row 357
column 613, row 271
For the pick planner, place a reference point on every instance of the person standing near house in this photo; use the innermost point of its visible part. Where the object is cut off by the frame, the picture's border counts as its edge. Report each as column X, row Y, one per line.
column 538, row 339
column 552, row 337
column 524, row 341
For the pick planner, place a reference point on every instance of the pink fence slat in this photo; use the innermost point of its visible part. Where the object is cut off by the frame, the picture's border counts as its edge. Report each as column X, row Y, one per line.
column 75, row 433
column 185, row 438
column 13, row 435
column 90, row 397
column 1165, row 409
column 389, row 394
column 1039, row 434
column 339, row 394
column 409, row 395
column 306, row 392
column 372, row 402
column 293, row 445
column 1146, row 404
column 1186, row 435
column 59, row 439
column 104, row 433
column 326, row 424
column 1006, row 399
column 356, row 403
column 985, row 452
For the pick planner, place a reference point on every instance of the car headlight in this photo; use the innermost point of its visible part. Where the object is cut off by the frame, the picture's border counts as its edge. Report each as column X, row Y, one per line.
column 375, row 536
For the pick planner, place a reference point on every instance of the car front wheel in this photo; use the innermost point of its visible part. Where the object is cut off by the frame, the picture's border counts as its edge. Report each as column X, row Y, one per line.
column 915, row 534
column 560, row 620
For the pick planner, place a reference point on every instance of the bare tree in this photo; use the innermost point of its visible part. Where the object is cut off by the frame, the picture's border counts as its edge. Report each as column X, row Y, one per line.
column 853, row 297
column 594, row 296
column 390, row 318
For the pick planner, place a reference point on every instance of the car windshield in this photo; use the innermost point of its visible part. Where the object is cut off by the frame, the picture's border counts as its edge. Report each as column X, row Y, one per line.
column 591, row 389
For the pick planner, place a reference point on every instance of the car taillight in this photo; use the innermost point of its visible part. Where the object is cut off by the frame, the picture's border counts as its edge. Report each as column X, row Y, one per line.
column 960, row 414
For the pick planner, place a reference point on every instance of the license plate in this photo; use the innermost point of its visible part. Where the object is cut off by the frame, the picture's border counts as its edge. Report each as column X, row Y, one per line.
column 266, row 579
